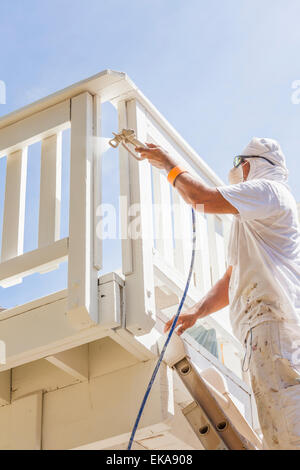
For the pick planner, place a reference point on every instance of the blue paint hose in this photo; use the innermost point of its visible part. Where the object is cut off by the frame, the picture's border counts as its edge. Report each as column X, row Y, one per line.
column 169, row 336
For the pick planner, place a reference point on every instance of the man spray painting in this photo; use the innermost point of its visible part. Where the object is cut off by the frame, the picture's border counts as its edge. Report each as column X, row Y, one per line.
column 262, row 282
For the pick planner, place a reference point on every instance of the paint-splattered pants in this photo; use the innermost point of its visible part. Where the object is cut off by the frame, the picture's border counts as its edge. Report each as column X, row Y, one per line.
column 274, row 366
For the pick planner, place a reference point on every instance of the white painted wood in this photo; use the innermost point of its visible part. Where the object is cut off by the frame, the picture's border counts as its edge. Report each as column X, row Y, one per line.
column 220, row 246
column 34, row 128
column 182, row 233
column 178, row 437
column 139, row 288
column 5, row 387
column 2, row 348
column 111, row 305
column 97, row 182
column 198, row 275
column 50, row 190
column 125, row 196
column 131, row 344
column 108, row 84
column 14, row 208
column 74, row 362
column 227, row 228
column 82, row 276
column 37, row 376
column 21, row 423
column 202, row 258
column 163, row 215
column 48, row 329
column 213, row 255
column 33, row 261
column 107, row 356
column 34, row 304
column 106, row 407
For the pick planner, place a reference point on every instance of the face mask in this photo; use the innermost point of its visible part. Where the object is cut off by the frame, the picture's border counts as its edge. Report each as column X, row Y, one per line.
column 236, row 175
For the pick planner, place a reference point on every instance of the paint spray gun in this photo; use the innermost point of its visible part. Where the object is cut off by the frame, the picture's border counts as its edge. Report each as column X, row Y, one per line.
column 127, row 136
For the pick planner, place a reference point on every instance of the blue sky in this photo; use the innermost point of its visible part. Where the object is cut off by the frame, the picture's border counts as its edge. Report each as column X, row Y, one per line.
column 220, row 71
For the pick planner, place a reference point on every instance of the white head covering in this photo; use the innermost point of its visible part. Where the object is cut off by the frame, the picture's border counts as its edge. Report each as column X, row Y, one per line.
column 260, row 168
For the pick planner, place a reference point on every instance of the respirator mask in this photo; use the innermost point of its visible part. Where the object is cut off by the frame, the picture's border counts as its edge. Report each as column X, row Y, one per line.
column 236, row 175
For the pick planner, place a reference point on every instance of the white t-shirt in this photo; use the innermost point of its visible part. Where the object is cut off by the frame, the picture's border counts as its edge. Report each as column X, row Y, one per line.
column 264, row 250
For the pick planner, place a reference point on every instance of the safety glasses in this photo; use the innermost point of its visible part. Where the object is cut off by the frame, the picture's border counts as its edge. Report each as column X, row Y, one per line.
column 241, row 158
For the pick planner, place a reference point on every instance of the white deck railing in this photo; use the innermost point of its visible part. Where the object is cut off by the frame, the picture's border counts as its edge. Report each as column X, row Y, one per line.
column 165, row 228
column 163, row 258
column 15, row 139
column 78, row 248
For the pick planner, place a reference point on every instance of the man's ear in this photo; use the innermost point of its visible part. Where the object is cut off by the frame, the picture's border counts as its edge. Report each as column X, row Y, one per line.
column 246, row 169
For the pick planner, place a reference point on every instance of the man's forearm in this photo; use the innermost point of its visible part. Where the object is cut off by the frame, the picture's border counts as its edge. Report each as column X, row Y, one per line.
column 191, row 188
column 216, row 298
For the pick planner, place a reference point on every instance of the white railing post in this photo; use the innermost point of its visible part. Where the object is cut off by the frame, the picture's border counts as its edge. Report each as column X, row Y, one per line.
column 127, row 262
column 82, row 276
column 97, row 183
column 135, row 187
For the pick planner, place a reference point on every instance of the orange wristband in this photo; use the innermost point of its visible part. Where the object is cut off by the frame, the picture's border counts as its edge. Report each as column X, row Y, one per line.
column 174, row 173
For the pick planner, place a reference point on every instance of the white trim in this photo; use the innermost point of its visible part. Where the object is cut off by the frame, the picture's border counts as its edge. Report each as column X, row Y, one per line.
column 34, row 128
column 33, row 261
column 97, row 84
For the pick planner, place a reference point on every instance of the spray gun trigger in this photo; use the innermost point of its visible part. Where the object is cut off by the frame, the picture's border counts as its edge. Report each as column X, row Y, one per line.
column 127, row 136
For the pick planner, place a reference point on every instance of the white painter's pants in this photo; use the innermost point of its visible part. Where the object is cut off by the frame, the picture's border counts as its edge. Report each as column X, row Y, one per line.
column 273, row 350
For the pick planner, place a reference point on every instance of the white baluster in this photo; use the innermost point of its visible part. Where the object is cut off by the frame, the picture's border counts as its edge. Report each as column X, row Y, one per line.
column 212, row 247
column 220, row 245
column 50, row 190
column 163, row 216
column 202, row 260
column 182, row 233
column 14, row 208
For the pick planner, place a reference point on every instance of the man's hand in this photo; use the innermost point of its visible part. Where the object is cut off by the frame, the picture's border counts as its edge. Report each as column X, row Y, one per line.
column 186, row 320
column 157, row 156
